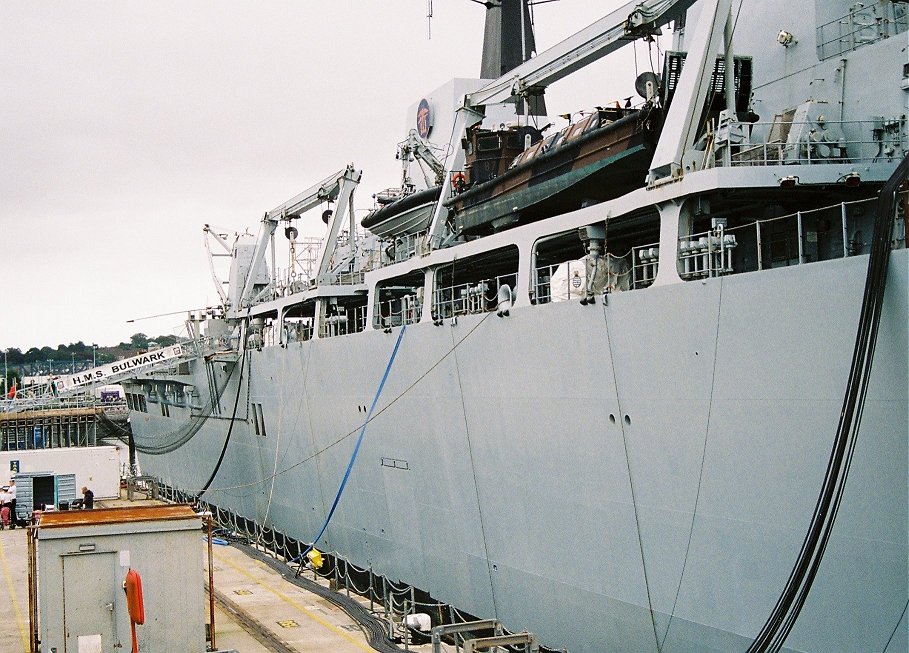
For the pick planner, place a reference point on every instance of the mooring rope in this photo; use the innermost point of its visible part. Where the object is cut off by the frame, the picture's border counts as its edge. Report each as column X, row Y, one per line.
column 356, row 450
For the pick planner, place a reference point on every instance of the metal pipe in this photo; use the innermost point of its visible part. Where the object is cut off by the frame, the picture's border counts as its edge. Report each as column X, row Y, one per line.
column 798, row 217
column 211, row 584
column 32, row 591
column 729, row 73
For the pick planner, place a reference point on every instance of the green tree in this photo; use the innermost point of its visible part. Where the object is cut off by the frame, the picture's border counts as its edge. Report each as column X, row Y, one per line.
column 14, row 356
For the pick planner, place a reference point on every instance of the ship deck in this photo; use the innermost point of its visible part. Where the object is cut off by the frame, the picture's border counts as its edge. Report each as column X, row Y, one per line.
column 257, row 609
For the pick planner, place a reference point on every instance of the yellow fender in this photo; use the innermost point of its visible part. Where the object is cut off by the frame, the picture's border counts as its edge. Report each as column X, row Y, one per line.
column 315, row 558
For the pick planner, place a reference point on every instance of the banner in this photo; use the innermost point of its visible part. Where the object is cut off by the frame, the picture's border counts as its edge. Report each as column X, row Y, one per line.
column 102, row 373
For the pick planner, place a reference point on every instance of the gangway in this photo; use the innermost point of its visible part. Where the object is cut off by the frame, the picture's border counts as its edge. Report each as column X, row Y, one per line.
column 123, row 369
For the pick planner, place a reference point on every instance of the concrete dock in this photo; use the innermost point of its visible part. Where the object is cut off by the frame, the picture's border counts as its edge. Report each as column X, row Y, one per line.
column 257, row 609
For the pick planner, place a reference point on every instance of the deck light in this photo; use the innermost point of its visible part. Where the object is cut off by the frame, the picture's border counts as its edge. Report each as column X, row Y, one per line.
column 788, row 182
column 851, row 179
column 785, row 38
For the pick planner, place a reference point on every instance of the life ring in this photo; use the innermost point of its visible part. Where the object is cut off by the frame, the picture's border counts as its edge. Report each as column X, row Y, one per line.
column 459, row 182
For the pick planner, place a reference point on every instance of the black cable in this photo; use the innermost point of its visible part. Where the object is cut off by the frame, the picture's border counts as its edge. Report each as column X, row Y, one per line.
column 795, row 592
column 184, row 434
column 899, row 621
column 230, row 429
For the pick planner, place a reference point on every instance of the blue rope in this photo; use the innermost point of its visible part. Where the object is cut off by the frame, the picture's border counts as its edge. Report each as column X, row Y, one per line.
column 353, row 456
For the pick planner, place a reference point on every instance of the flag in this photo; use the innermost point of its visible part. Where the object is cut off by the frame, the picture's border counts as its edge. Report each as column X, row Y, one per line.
column 12, row 392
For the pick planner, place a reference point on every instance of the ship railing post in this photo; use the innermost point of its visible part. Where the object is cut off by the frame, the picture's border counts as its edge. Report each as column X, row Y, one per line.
column 711, row 255
column 406, row 636
column 845, row 238
column 757, row 231
column 386, row 601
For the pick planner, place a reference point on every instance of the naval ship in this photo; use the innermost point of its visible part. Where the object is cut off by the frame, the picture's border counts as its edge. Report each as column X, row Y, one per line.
column 654, row 398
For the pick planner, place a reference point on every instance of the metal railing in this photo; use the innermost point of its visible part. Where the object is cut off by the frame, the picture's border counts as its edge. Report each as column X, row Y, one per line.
column 707, row 254
column 349, row 320
column 404, row 247
column 817, row 142
column 397, row 312
column 790, row 239
column 645, row 261
column 292, row 282
column 865, row 23
column 475, row 297
column 297, row 331
column 793, row 239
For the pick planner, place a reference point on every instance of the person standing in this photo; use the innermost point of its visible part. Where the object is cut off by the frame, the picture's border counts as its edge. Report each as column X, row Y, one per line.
column 88, row 498
column 12, row 504
column 4, row 507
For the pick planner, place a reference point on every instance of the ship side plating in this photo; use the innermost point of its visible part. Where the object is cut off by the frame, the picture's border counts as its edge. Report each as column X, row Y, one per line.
column 636, row 471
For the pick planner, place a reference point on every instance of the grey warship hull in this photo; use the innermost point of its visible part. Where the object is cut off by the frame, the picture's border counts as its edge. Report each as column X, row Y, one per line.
column 570, row 468
column 637, row 471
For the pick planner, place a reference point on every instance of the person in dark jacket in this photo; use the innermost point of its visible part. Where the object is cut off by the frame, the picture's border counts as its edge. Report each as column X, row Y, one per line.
column 88, row 499
column 12, row 503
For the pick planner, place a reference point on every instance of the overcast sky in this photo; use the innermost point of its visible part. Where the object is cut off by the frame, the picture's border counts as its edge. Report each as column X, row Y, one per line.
column 126, row 126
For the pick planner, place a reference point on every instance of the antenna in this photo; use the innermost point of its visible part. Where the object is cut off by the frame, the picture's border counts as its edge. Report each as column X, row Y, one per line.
column 429, row 19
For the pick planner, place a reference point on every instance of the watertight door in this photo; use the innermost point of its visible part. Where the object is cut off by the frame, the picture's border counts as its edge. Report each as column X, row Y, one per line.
column 90, row 602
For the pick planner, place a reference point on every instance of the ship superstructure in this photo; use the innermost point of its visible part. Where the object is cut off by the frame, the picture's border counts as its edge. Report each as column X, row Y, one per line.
column 667, row 414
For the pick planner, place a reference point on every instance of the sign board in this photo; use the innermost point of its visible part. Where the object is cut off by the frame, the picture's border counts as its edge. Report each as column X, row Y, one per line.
column 14, row 466
column 100, row 374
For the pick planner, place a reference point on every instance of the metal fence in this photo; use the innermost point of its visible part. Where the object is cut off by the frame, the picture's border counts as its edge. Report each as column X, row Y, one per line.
column 865, row 23
column 397, row 311
column 475, row 297
column 819, row 141
column 794, row 239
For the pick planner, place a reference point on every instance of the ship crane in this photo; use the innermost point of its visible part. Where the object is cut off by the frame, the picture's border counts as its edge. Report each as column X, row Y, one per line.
column 337, row 187
column 633, row 20
column 414, row 147
column 617, row 29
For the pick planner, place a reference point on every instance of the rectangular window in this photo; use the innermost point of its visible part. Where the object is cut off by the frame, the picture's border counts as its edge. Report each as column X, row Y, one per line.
column 258, row 419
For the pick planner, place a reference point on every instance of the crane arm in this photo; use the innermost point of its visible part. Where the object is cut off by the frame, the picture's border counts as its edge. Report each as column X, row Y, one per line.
column 417, row 147
column 622, row 26
column 324, row 191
